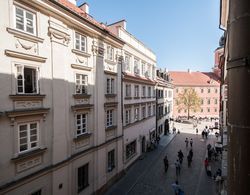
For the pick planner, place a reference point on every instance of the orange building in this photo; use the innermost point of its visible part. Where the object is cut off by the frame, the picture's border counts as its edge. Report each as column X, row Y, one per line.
column 207, row 86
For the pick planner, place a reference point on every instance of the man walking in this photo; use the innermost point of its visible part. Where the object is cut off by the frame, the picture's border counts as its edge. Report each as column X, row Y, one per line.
column 165, row 160
column 177, row 168
column 191, row 143
column 186, row 141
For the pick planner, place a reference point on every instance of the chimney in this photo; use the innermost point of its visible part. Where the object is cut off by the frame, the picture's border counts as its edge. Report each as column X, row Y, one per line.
column 72, row 1
column 84, row 7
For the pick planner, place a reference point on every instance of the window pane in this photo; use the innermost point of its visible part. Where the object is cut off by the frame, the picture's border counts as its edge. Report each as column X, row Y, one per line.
column 23, row 147
column 19, row 19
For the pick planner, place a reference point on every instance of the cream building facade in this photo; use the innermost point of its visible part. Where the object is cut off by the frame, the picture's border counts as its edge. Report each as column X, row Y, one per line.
column 164, row 99
column 138, row 94
column 60, row 124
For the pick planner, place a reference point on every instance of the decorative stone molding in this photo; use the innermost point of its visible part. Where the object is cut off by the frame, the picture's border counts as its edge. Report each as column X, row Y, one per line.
column 82, row 96
column 24, row 36
column 27, row 104
column 82, row 140
column 59, row 36
column 111, row 104
column 110, row 69
column 81, row 67
column 82, row 107
column 25, row 56
column 23, row 97
column 82, row 101
column 81, row 53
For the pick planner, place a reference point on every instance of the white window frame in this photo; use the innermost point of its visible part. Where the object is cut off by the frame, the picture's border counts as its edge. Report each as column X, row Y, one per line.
column 110, row 86
column 25, row 22
column 137, row 91
column 82, row 42
column 128, row 90
column 136, row 66
column 82, row 130
column 20, row 71
column 149, row 110
column 83, row 83
column 127, row 63
column 136, row 114
column 29, row 142
column 143, row 112
column 111, row 165
column 110, row 52
column 127, row 116
column 143, row 91
column 109, row 118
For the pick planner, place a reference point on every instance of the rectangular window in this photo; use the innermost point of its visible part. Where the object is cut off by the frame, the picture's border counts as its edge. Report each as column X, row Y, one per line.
column 28, row 136
column 109, row 119
column 111, row 160
column 143, row 68
column 127, row 117
column 83, row 177
column 149, row 110
column 80, row 42
column 215, row 110
column 169, row 94
column 128, row 90
column 143, row 91
column 149, row 92
column 216, row 101
column 177, row 90
column 27, row 80
column 208, row 109
column 127, row 63
column 38, row 192
column 81, row 84
column 81, row 124
column 136, row 90
column 202, row 101
column 143, row 112
column 136, row 67
column 130, row 149
column 202, row 90
column 208, row 90
column 25, row 20
column 208, row 101
column 154, row 110
column 136, row 117
column 216, row 90
column 110, row 53
column 110, row 86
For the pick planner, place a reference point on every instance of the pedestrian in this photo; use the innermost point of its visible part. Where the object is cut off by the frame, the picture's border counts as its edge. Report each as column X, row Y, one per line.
column 203, row 134
column 209, row 171
column 206, row 163
column 176, row 187
column 197, row 131
column 180, row 156
column 165, row 160
column 177, row 168
column 191, row 142
column 186, row 141
column 191, row 154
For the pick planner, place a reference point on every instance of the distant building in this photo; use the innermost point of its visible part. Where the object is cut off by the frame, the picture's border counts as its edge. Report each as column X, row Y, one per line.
column 138, row 94
column 164, row 100
column 207, row 86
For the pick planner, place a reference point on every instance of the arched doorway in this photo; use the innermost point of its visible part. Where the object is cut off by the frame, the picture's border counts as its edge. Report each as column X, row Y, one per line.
column 166, row 127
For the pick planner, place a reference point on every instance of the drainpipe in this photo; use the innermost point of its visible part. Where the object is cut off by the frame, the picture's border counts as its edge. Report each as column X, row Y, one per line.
column 238, row 67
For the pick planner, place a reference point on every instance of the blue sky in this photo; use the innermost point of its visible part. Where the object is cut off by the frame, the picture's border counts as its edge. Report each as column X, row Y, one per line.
column 182, row 33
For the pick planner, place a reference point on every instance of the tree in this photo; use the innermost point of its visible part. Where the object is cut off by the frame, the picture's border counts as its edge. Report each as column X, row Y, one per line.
column 189, row 100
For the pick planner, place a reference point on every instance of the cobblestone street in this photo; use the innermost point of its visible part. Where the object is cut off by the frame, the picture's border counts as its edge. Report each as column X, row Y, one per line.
column 147, row 176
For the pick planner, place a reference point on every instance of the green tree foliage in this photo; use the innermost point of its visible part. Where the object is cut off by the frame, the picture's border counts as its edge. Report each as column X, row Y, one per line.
column 189, row 100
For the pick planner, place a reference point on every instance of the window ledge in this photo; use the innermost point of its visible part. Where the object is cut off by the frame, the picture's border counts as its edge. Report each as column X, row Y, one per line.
column 136, row 97
column 110, row 95
column 27, row 112
column 24, row 35
column 143, row 97
column 80, row 96
column 82, row 106
column 25, row 56
column 110, row 72
column 111, row 128
column 26, row 97
column 128, row 98
column 82, row 136
column 81, row 53
column 29, row 154
column 81, row 67
column 110, row 61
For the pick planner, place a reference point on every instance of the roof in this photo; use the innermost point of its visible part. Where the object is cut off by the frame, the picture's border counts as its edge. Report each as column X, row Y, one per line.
column 194, row 78
column 81, row 13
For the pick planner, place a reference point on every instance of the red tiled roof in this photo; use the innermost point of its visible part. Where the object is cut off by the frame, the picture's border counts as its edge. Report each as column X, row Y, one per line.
column 84, row 15
column 194, row 78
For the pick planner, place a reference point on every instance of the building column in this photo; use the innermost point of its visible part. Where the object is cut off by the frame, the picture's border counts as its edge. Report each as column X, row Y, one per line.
column 238, row 67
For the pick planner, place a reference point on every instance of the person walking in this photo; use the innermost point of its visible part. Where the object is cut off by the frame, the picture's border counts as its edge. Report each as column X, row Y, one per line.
column 176, row 187
column 189, row 159
column 180, row 156
column 197, row 131
column 165, row 160
column 177, row 168
column 191, row 142
column 186, row 141
column 191, row 154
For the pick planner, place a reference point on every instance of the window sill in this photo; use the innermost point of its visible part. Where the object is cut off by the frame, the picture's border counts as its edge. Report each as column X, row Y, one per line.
column 143, row 97
column 111, row 128
column 81, row 67
column 136, row 97
column 29, row 154
column 24, row 35
column 110, row 61
column 80, row 96
column 128, row 98
column 25, row 56
column 79, row 190
column 111, row 95
column 26, row 97
column 82, row 136
column 81, row 53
